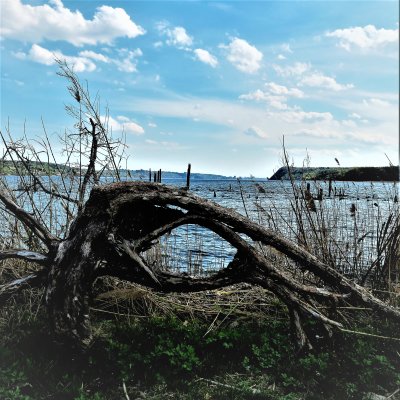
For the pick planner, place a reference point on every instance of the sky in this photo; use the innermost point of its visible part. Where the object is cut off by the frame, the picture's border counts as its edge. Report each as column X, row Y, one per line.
column 218, row 84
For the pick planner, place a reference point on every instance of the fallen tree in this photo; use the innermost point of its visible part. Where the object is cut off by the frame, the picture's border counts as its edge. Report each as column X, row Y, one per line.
column 121, row 221
column 107, row 228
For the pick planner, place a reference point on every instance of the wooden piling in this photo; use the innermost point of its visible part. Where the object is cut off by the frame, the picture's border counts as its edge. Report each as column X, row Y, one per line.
column 188, row 176
column 330, row 188
column 150, row 175
column 320, row 194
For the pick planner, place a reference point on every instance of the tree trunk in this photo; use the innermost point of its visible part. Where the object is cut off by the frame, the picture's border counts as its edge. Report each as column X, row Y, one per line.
column 120, row 221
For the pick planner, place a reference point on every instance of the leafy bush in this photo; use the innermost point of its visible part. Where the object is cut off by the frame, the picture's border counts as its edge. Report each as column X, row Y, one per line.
column 250, row 360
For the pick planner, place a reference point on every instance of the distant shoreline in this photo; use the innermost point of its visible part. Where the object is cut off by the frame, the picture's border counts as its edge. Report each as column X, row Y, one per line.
column 8, row 168
column 353, row 174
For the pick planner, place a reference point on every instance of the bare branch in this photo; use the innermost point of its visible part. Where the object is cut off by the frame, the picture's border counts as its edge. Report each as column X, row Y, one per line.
column 40, row 231
column 26, row 255
column 36, row 280
column 91, row 169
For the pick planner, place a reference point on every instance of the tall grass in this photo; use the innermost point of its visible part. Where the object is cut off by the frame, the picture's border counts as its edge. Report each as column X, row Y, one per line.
column 356, row 231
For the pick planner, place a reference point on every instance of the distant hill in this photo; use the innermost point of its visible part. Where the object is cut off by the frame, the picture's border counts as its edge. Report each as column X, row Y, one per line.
column 9, row 168
column 339, row 173
column 142, row 174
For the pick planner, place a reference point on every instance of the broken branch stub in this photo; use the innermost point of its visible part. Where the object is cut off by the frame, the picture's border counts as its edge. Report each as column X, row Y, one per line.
column 120, row 221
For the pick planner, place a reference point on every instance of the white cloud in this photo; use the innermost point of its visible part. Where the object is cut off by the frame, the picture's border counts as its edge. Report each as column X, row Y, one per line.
column 277, row 102
column 380, row 115
column 366, row 37
column 275, row 95
column 179, row 37
column 297, row 69
column 165, row 144
column 122, row 118
column 317, row 79
column 44, row 56
column 128, row 62
column 283, row 90
column 349, row 123
column 151, row 141
column 176, row 36
column 243, row 56
column 307, row 76
column 53, row 21
column 374, row 102
column 132, row 127
column 257, row 95
column 274, row 101
column 382, row 129
column 294, row 116
column 205, row 57
column 285, row 47
column 281, row 57
column 256, row 132
column 122, row 123
column 152, row 125
column 94, row 56
column 85, row 61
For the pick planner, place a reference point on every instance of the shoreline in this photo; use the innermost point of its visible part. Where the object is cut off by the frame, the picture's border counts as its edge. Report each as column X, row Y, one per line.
column 344, row 174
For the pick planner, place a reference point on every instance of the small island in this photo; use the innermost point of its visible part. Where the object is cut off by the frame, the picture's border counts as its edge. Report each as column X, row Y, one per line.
column 355, row 174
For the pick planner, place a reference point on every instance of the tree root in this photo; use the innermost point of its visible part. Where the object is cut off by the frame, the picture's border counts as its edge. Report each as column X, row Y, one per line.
column 120, row 221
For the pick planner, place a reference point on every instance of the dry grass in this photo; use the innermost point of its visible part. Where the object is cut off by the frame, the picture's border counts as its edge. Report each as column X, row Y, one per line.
column 350, row 233
column 241, row 301
column 357, row 233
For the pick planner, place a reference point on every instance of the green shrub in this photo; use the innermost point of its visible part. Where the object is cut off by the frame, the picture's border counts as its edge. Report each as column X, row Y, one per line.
column 158, row 355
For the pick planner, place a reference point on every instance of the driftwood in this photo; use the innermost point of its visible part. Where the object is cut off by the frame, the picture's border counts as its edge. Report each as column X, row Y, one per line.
column 122, row 220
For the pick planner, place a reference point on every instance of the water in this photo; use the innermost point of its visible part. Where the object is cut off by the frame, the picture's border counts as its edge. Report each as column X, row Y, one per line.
column 273, row 204
column 352, row 234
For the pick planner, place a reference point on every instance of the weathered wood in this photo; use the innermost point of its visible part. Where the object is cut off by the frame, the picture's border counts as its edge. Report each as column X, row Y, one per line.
column 188, row 176
column 26, row 255
column 120, row 221
column 31, row 223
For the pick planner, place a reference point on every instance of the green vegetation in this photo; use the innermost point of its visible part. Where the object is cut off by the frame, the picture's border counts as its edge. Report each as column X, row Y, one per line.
column 339, row 174
column 142, row 174
column 229, row 344
column 8, row 167
column 159, row 358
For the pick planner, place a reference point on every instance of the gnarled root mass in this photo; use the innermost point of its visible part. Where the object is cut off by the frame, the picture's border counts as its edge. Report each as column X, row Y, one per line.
column 120, row 221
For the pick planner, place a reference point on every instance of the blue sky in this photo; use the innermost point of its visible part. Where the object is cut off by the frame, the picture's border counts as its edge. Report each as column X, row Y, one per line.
column 213, row 83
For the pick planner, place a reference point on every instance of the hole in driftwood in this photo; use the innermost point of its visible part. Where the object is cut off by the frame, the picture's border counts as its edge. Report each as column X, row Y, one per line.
column 192, row 249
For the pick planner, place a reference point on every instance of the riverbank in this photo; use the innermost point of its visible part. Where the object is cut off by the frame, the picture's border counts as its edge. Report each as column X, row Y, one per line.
column 227, row 355
column 354, row 174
